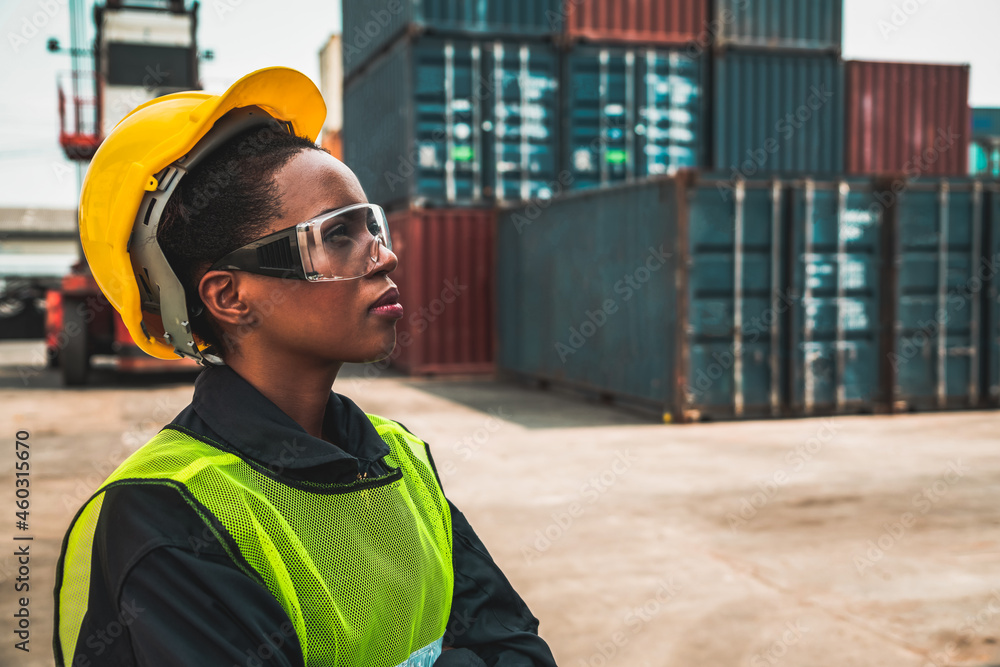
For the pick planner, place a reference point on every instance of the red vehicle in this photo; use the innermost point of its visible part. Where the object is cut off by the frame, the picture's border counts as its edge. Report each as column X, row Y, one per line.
column 80, row 325
column 142, row 50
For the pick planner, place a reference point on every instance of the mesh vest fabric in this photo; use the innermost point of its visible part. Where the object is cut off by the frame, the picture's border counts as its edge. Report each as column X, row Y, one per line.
column 363, row 570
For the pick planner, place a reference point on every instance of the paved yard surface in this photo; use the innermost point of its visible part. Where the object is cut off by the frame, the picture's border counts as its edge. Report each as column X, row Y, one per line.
column 867, row 541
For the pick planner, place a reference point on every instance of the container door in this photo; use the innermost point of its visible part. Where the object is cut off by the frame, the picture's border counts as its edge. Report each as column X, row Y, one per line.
column 989, row 271
column 835, row 321
column 448, row 119
column 600, row 106
column 736, row 301
column 631, row 113
column 937, row 355
column 521, row 120
column 669, row 112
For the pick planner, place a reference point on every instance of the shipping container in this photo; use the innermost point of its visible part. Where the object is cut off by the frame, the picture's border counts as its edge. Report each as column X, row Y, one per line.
column 331, row 84
column 836, row 240
column 907, row 117
column 639, row 21
column 984, row 158
column 456, row 122
column 815, row 25
column 370, row 26
column 586, row 293
column 733, row 345
column 698, row 297
column 774, row 113
column 991, row 296
column 942, row 262
column 986, row 123
column 631, row 113
column 446, row 283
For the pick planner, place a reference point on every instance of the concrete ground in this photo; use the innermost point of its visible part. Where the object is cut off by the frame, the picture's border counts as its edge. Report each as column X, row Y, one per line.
column 866, row 541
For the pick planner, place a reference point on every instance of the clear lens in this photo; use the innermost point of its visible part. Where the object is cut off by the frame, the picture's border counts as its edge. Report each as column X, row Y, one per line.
column 343, row 244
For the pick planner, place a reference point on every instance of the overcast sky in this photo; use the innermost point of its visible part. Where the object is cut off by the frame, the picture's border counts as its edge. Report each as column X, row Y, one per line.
column 248, row 34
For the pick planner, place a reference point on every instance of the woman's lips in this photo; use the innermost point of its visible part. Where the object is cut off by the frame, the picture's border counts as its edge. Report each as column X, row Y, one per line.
column 388, row 304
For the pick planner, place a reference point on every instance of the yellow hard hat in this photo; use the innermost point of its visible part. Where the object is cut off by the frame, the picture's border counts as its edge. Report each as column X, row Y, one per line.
column 138, row 167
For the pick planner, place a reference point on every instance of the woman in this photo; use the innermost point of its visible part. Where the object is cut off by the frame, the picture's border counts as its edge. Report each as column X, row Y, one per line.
column 272, row 522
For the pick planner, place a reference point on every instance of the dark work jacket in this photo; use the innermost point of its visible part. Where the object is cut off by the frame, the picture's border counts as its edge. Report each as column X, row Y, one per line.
column 164, row 591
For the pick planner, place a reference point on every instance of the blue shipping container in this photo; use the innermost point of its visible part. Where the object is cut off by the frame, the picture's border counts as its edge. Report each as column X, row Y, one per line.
column 938, row 357
column 782, row 24
column 454, row 122
column 778, row 113
column 991, row 296
column 734, row 358
column 835, row 229
column 986, row 124
column 585, row 294
column 766, row 302
column 370, row 26
column 631, row 113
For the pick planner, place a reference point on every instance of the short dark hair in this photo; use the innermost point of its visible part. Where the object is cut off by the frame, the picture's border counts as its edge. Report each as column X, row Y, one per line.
column 225, row 202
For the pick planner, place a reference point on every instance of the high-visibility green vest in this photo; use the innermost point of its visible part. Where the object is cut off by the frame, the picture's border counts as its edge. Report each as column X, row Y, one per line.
column 363, row 570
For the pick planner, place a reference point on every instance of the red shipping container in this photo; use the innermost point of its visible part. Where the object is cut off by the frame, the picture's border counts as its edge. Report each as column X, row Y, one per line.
column 647, row 21
column 446, row 286
column 909, row 118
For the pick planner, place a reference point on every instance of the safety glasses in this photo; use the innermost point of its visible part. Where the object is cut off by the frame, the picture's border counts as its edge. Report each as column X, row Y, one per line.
column 339, row 245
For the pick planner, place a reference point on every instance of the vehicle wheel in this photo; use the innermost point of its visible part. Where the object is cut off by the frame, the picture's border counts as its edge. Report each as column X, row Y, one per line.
column 75, row 357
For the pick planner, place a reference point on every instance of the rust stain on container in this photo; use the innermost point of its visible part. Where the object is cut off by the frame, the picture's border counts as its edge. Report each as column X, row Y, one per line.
column 446, row 286
column 906, row 117
column 646, row 21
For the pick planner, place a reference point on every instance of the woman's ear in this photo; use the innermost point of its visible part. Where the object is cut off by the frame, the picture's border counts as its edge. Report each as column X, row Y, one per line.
column 221, row 293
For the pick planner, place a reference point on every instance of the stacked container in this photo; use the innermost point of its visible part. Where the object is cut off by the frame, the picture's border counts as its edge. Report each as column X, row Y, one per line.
column 633, row 89
column 778, row 91
column 984, row 150
column 907, row 118
column 448, row 108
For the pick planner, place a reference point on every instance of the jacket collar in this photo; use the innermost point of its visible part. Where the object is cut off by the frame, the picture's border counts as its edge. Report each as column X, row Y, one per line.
column 251, row 423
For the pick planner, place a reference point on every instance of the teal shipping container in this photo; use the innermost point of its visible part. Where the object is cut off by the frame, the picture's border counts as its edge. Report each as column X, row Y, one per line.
column 991, row 297
column 371, row 26
column 695, row 298
column 984, row 149
column 585, row 296
column 630, row 113
column 455, row 122
column 986, row 123
column 810, row 25
column 836, row 237
column 775, row 113
column 945, row 347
